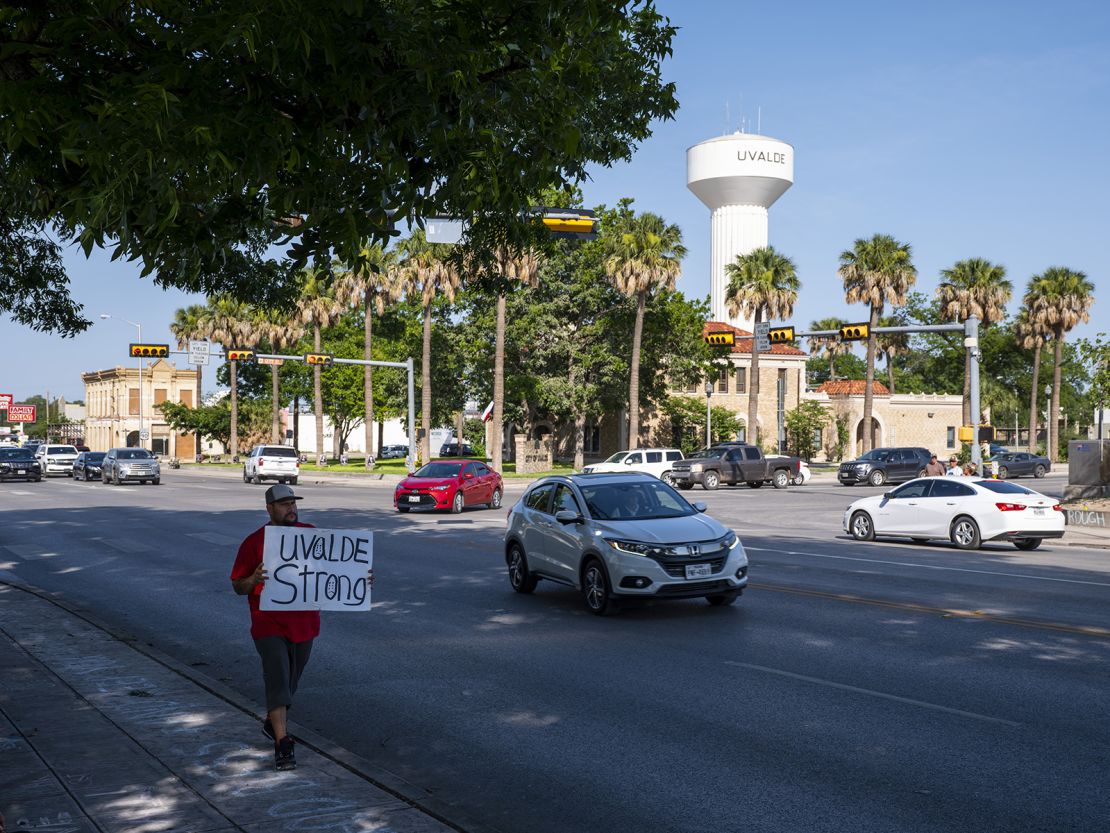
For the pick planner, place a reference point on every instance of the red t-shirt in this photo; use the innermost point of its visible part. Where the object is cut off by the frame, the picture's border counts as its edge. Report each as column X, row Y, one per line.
column 294, row 625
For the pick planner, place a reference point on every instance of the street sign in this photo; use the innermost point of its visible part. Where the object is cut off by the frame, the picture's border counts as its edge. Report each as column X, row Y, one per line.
column 763, row 337
column 21, row 413
column 5, row 401
column 444, row 230
column 267, row 360
column 144, row 435
column 199, row 352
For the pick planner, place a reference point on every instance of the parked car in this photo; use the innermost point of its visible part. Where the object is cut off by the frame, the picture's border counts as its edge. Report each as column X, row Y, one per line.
column 56, row 459
column 123, row 464
column 803, row 475
column 88, row 464
column 655, row 461
column 621, row 536
column 453, row 450
column 733, row 463
column 449, row 484
column 885, row 465
column 272, row 462
column 1020, row 464
column 963, row 510
column 393, row 452
column 19, row 464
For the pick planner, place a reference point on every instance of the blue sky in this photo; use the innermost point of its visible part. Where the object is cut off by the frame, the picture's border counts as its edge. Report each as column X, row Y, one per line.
column 974, row 129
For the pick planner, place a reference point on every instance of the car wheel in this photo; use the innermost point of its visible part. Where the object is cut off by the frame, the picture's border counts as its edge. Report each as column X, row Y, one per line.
column 403, row 509
column 520, row 577
column 495, row 500
column 781, row 479
column 923, row 473
column 457, row 503
column 710, row 481
column 595, row 589
column 1027, row 543
column 668, row 478
column 799, row 480
column 722, row 599
column 257, row 480
column 877, row 478
column 246, row 477
column 1003, row 472
column 755, row 484
column 1039, row 472
column 115, row 478
column 292, row 481
column 104, row 478
column 965, row 533
column 685, row 485
column 156, row 481
column 862, row 527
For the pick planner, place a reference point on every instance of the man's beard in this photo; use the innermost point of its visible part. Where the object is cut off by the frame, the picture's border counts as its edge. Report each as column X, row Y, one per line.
column 288, row 521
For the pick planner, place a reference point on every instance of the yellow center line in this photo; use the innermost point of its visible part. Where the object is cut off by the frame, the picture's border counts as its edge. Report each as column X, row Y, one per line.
column 1085, row 630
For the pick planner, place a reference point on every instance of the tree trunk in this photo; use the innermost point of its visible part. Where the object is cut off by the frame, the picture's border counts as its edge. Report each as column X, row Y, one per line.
column 426, row 388
column 752, row 435
column 1033, row 400
column 296, row 414
column 869, row 391
column 275, row 406
column 233, row 373
column 497, row 432
column 368, row 379
column 967, row 387
column 890, row 372
column 634, row 380
column 579, row 416
column 381, row 435
column 1054, row 411
column 832, row 366
column 318, row 398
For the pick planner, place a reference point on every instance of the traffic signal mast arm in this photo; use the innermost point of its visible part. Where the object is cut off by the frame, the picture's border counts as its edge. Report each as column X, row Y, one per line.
column 909, row 328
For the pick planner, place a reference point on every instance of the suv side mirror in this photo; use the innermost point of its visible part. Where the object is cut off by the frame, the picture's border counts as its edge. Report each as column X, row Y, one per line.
column 699, row 506
column 565, row 516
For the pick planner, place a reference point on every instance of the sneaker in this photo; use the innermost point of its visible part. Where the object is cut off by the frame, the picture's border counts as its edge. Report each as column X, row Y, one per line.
column 268, row 730
column 284, row 758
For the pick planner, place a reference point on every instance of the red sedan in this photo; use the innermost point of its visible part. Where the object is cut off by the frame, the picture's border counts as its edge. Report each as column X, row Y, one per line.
column 449, row 484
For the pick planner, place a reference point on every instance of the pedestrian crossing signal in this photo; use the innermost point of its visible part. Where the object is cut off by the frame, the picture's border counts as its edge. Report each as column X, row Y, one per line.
column 727, row 338
column 149, row 351
column 317, row 358
column 570, row 223
column 780, row 335
column 855, row 332
column 240, row 356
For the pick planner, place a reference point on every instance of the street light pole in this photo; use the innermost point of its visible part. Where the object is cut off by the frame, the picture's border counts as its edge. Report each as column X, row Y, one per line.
column 139, row 340
column 708, row 415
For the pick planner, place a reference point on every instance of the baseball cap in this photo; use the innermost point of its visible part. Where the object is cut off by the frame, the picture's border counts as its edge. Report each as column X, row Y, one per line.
column 279, row 492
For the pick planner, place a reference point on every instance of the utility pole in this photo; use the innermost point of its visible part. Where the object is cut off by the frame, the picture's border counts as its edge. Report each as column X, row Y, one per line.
column 708, row 414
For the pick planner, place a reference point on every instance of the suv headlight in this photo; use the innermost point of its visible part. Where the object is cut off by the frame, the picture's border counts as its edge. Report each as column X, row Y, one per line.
column 697, row 466
column 863, row 466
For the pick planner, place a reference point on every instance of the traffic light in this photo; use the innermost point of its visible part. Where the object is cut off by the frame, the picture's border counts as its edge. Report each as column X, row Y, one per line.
column 149, row 351
column 317, row 358
column 570, row 223
column 780, row 335
column 240, row 355
column 726, row 338
column 855, row 332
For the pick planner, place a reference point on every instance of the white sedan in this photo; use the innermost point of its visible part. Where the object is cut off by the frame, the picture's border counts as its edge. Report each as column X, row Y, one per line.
column 964, row 510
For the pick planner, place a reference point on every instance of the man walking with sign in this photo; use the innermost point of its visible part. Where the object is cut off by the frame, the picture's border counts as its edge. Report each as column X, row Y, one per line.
column 283, row 638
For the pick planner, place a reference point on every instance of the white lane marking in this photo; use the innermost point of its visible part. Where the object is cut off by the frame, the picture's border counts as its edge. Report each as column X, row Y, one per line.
column 214, row 538
column 931, row 567
column 871, row 693
column 14, row 492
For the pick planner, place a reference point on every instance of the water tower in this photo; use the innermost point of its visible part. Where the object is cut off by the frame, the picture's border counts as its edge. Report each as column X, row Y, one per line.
column 738, row 177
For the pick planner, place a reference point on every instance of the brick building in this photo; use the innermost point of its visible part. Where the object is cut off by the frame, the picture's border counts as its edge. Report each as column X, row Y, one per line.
column 112, row 403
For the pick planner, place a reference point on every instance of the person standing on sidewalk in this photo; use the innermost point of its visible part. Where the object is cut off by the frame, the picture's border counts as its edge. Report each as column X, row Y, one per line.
column 934, row 468
column 282, row 638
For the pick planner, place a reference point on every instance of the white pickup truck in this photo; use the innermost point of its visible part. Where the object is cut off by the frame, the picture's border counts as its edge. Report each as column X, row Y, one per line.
column 654, row 461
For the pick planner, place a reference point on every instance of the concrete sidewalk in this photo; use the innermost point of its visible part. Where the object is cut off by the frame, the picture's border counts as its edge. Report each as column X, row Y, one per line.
column 100, row 735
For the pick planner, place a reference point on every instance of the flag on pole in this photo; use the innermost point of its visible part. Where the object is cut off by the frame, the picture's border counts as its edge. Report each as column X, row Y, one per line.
column 487, row 413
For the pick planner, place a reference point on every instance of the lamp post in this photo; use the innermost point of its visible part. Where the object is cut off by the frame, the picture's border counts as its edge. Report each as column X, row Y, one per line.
column 139, row 327
column 708, row 415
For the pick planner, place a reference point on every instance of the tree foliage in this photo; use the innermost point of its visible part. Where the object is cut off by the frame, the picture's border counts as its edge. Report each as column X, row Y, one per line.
column 215, row 420
column 802, row 424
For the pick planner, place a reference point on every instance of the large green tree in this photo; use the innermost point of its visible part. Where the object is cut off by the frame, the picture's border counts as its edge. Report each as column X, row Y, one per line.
column 194, row 137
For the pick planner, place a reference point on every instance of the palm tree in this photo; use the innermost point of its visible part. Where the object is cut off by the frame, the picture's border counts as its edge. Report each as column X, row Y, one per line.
column 875, row 272
column 280, row 330
column 645, row 258
column 762, row 281
column 891, row 345
column 973, row 287
column 1059, row 298
column 1030, row 332
column 318, row 307
column 191, row 323
column 829, row 346
column 427, row 272
column 229, row 322
column 376, row 282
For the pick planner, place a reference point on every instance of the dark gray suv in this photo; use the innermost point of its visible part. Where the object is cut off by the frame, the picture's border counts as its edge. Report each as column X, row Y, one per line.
column 885, row 465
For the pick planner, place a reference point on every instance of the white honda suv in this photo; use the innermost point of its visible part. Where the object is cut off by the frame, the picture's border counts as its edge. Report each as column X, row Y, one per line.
column 654, row 461
column 272, row 462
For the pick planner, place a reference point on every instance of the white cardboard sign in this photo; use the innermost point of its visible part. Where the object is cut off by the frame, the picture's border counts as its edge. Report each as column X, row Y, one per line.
column 316, row 569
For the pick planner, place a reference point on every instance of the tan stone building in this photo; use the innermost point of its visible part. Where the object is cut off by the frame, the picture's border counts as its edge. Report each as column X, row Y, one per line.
column 113, row 399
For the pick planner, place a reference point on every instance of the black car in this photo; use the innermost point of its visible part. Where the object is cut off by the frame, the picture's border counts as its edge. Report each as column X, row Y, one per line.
column 88, row 464
column 885, row 465
column 1021, row 464
column 19, row 464
column 452, row 450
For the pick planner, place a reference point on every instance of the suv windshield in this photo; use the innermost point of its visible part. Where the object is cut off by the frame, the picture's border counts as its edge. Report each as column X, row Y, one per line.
column 635, row 501
column 134, row 454
column 16, row 454
column 616, row 458
column 880, row 455
column 60, row 449
column 94, row 456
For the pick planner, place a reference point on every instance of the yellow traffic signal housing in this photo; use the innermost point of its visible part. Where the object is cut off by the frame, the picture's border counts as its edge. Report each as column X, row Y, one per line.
column 570, row 223
column 149, row 351
column 780, row 335
column 855, row 332
column 317, row 358
column 240, row 355
column 727, row 338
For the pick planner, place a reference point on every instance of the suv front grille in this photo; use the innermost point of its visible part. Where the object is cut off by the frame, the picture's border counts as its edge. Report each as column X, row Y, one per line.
column 679, row 570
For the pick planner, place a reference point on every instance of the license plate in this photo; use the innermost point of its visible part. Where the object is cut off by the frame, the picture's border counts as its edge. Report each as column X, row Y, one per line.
column 1038, row 512
column 414, row 499
column 698, row 571
column 21, row 471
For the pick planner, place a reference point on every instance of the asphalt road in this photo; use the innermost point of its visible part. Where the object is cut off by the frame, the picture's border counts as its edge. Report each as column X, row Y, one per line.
column 863, row 687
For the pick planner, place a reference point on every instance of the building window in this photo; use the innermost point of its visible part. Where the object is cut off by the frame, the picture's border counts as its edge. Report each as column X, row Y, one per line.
column 817, row 438
column 133, row 401
column 722, row 382
column 159, row 395
column 692, row 387
column 951, row 436
column 741, row 380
